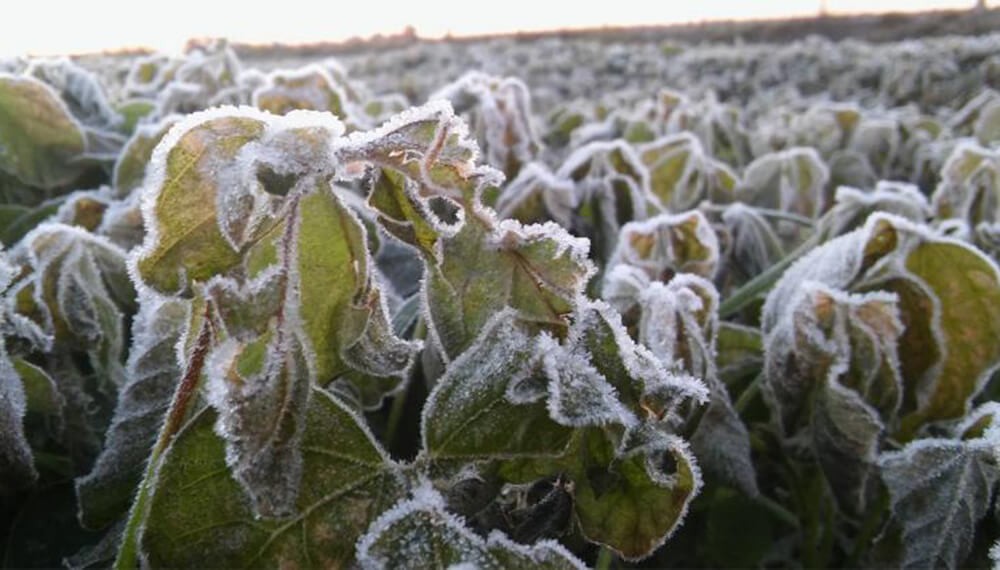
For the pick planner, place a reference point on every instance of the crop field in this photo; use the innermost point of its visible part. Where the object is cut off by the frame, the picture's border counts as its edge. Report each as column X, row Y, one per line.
column 558, row 303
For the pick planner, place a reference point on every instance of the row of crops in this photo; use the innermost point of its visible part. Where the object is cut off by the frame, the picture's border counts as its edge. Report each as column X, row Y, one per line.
column 552, row 304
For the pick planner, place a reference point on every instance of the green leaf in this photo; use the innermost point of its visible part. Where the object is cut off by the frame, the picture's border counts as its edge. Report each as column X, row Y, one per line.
column 184, row 236
column 40, row 141
column 939, row 491
column 631, row 501
column 420, row 533
column 199, row 516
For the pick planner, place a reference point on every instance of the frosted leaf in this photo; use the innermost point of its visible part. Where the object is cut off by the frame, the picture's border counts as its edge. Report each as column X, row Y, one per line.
column 130, row 168
column 260, row 390
column 679, row 323
column 346, row 482
column 987, row 129
column 749, row 245
column 941, row 363
column 834, row 380
column 682, row 175
column 851, row 207
column 420, row 533
column 499, row 111
column 967, row 190
column 536, row 195
column 539, row 270
column 310, row 88
column 666, row 245
column 430, row 146
column 792, row 181
column 80, row 91
column 579, row 396
column 939, row 490
column 642, row 383
column 152, row 373
column 80, row 294
column 84, row 208
column 825, row 127
column 612, row 188
column 475, row 409
column 40, row 140
column 965, row 120
column 719, row 127
column 149, row 74
column 878, row 140
column 16, row 461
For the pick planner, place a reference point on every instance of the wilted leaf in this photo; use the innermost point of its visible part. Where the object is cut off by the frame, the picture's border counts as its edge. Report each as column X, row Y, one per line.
column 948, row 294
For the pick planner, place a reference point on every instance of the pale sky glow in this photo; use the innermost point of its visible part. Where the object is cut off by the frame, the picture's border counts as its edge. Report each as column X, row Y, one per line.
column 50, row 27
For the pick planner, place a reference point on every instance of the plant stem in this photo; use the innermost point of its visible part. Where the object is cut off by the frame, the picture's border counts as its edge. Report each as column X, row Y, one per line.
column 395, row 416
column 128, row 554
column 780, row 512
column 604, row 558
column 749, row 394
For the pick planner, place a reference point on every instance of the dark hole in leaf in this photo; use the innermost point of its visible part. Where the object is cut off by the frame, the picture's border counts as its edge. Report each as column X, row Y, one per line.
column 273, row 182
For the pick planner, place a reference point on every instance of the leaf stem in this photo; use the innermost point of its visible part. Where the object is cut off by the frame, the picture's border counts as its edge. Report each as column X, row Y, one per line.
column 769, row 213
column 604, row 558
column 780, row 512
column 762, row 282
column 128, row 555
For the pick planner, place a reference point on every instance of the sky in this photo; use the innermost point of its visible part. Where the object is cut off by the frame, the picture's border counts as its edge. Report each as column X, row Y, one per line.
column 56, row 27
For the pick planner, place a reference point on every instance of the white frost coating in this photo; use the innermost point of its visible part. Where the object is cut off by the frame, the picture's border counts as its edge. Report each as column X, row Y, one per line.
column 143, row 131
column 642, row 366
column 989, row 410
column 80, row 90
column 939, row 490
column 579, row 396
column 558, row 194
column 407, row 527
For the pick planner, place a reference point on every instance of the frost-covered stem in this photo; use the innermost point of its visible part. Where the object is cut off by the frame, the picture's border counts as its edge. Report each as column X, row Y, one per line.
column 604, row 558
column 769, row 213
column 128, row 554
column 761, row 283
